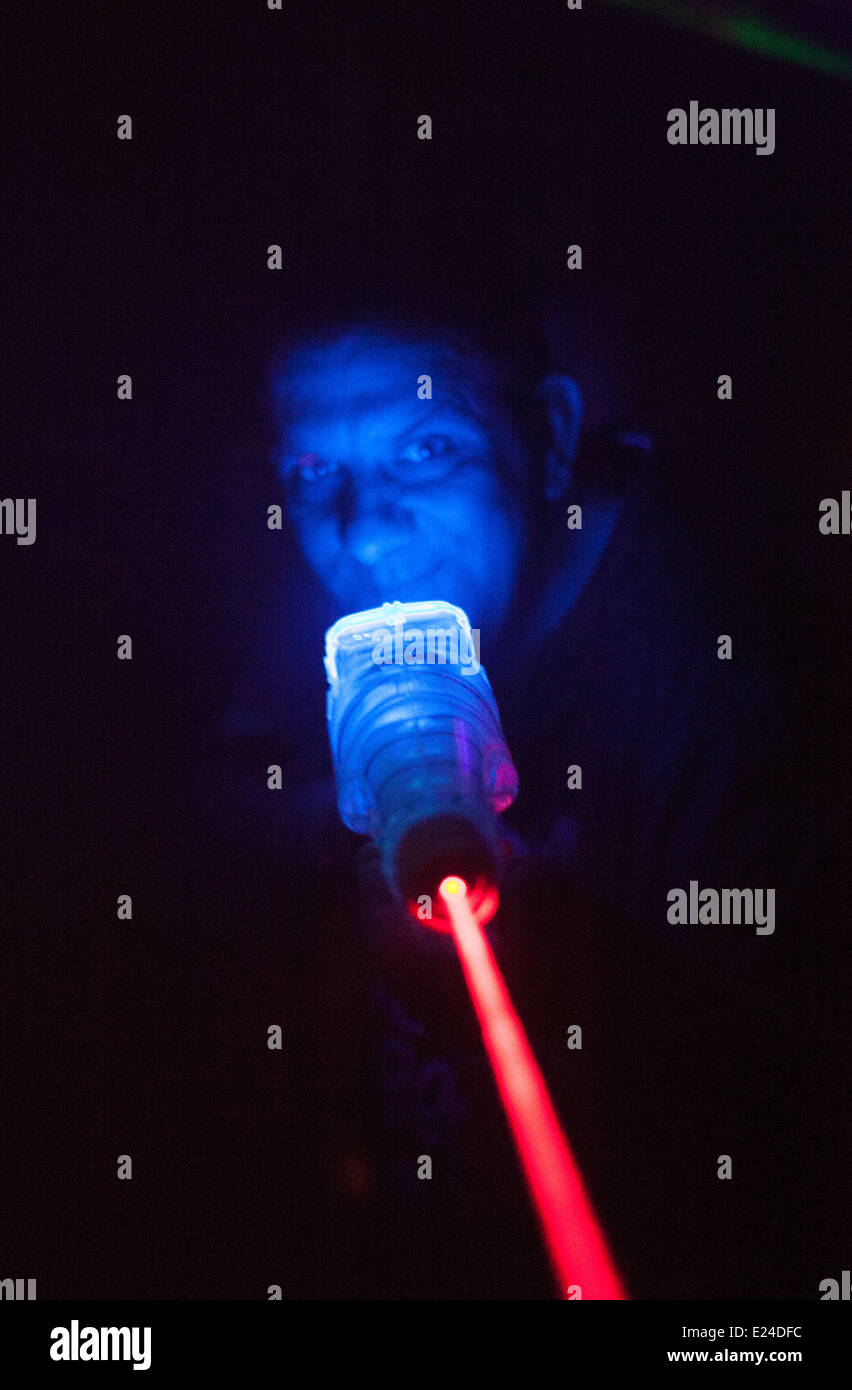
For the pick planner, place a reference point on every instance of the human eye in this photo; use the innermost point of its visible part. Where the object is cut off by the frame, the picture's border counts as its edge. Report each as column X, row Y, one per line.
column 312, row 468
column 431, row 454
column 312, row 481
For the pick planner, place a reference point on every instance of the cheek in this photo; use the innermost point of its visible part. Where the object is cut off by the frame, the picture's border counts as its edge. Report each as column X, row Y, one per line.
column 500, row 529
column 480, row 527
column 496, row 558
column 319, row 542
column 467, row 507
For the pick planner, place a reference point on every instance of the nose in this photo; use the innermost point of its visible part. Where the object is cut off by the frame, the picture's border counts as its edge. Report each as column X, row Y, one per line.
column 372, row 520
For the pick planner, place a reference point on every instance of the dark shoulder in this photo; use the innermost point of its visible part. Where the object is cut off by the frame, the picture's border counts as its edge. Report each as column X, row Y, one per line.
column 662, row 617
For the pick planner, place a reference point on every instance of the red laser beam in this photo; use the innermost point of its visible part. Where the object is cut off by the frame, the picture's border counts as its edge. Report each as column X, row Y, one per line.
column 574, row 1239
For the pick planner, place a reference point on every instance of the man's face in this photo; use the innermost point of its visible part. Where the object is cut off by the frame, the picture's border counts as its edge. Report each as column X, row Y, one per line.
column 394, row 497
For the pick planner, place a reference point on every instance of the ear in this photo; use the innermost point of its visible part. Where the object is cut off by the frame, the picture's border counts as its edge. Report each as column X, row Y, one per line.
column 564, row 405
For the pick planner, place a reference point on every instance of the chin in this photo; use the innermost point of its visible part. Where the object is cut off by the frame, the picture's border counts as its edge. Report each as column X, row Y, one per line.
column 430, row 587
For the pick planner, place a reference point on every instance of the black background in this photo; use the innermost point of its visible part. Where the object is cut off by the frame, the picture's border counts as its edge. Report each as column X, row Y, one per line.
column 149, row 257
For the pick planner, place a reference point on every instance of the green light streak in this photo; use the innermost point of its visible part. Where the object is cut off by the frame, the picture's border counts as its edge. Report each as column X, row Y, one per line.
column 750, row 34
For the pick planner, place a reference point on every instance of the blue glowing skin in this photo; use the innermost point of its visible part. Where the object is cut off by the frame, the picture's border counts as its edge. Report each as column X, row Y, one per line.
column 393, row 497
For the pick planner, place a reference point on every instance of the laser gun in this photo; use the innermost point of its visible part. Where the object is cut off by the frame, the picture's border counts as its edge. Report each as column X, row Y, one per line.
column 420, row 759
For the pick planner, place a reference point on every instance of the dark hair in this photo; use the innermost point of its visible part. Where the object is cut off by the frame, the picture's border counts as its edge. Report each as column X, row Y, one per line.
column 456, row 283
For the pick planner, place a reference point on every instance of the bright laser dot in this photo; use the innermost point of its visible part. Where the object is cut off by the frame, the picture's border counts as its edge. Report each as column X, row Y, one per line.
column 575, row 1242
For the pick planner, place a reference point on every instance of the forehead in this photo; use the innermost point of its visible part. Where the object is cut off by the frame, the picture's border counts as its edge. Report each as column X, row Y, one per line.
column 369, row 372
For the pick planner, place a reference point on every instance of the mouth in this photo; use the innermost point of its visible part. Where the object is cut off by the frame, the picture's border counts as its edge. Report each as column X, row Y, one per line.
column 424, row 585
column 428, row 587
column 363, row 588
